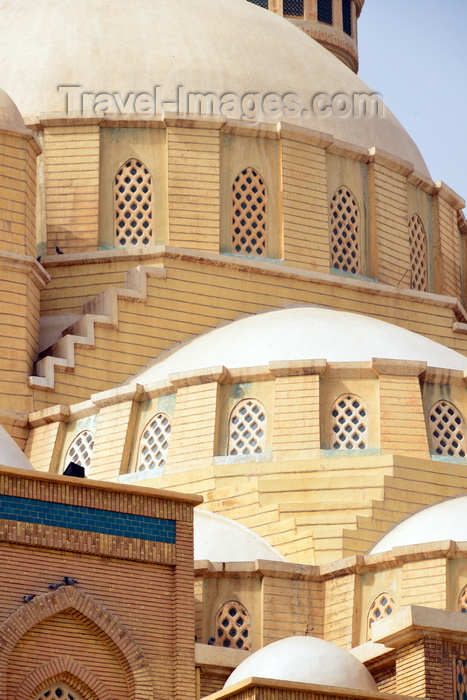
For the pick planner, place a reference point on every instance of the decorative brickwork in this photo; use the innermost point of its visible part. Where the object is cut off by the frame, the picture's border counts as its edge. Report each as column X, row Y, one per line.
column 249, row 224
column 247, row 433
column 60, row 671
column 349, row 422
column 345, row 232
column 233, row 626
column 447, row 430
column 154, row 443
column 418, row 254
column 133, row 193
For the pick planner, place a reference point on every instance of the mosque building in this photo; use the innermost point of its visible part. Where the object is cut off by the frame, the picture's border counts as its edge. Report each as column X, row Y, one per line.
column 233, row 311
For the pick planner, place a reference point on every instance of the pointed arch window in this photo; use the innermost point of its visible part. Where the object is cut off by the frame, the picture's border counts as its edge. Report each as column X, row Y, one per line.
column 418, row 255
column 345, row 232
column 349, row 423
column 133, row 193
column 80, row 450
column 154, row 443
column 462, row 601
column 233, row 624
column 382, row 606
column 249, row 214
column 447, row 430
column 247, row 428
column 58, row 691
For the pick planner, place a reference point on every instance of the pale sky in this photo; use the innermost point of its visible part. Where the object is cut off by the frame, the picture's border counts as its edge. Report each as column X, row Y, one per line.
column 414, row 53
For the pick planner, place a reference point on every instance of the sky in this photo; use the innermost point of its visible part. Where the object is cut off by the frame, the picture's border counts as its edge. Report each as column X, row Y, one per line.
column 413, row 53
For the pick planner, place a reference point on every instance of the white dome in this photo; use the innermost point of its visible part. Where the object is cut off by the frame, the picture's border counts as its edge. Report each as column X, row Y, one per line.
column 305, row 660
column 10, row 453
column 221, row 539
column 443, row 521
column 302, row 333
column 9, row 113
column 209, row 46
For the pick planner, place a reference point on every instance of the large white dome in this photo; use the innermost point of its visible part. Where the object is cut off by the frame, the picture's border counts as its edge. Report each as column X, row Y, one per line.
column 209, row 46
column 442, row 521
column 301, row 333
column 217, row 538
column 305, row 660
column 10, row 453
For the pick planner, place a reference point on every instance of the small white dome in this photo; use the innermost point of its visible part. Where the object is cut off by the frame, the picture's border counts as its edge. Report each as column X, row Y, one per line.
column 9, row 113
column 305, row 660
column 442, row 521
column 10, row 453
column 301, row 333
column 221, row 539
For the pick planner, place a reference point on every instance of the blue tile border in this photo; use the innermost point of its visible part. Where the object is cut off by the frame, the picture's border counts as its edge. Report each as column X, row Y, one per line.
column 29, row 510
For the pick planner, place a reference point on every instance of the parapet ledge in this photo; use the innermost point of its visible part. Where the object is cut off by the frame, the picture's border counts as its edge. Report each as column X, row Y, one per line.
column 370, row 651
column 193, row 377
column 349, row 150
column 293, row 132
column 220, row 657
column 423, row 182
column 462, row 222
column 260, row 373
column 451, row 197
column 414, row 621
column 238, row 127
column 394, row 163
column 128, row 392
column 400, row 368
column 49, row 415
column 297, row 368
column 437, row 375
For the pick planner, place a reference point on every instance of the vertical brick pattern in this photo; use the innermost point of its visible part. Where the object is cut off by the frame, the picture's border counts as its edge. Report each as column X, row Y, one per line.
column 71, row 157
column 448, row 254
column 44, row 446
column 391, row 221
column 184, row 615
column 194, row 424
column 410, row 670
column 194, row 186
column 212, row 682
column 403, row 428
column 296, row 415
column 17, row 195
column 291, row 607
column 306, row 216
column 339, row 605
column 115, row 426
column 414, row 584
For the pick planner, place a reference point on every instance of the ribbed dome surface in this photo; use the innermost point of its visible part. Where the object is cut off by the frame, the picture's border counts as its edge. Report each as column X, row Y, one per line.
column 305, row 660
column 216, row 46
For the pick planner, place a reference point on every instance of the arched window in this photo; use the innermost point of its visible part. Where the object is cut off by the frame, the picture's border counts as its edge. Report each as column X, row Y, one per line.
column 348, row 424
column 462, row 602
column 447, row 430
column 58, row 691
column 80, row 450
column 418, row 254
column 325, row 11
column 133, row 194
column 233, row 624
column 154, row 443
column 248, row 214
column 345, row 232
column 382, row 606
column 247, row 428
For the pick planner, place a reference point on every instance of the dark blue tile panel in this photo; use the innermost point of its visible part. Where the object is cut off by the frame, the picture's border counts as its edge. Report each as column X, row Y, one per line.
column 28, row 510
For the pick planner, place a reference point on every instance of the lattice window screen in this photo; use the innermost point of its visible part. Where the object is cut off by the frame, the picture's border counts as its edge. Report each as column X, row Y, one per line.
column 462, row 602
column 382, row 606
column 154, row 443
column 248, row 214
column 233, row 626
column 418, row 254
column 261, row 3
column 293, row 8
column 347, row 16
column 345, row 232
column 80, row 450
column 58, row 691
column 325, row 11
column 247, row 430
column 447, row 430
column 460, row 678
column 349, row 423
column 133, row 193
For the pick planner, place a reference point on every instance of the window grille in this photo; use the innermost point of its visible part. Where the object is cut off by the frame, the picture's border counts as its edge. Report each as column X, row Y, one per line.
column 233, row 626
column 462, row 603
column 325, row 11
column 249, row 200
column 59, row 691
column 418, row 254
column 382, row 606
column 261, row 3
column 154, row 443
column 80, row 450
column 133, row 204
column 345, row 232
column 247, row 432
column 347, row 16
column 447, row 430
column 293, row 8
column 460, row 678
column 349, row 422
